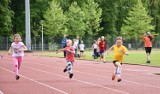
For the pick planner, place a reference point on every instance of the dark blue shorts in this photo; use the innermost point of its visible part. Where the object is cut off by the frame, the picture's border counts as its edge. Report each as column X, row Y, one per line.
column 102, row 51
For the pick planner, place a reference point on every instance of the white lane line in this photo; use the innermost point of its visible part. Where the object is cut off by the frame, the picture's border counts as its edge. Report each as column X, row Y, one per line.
column 123, row 80
column 1, row 92
column 127, row 74
column 38, row 82
column 111, row 72
column 147, row 85
column 77, row 80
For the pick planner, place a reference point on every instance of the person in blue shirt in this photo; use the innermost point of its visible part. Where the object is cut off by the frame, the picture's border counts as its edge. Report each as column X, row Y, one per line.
column 63, row 42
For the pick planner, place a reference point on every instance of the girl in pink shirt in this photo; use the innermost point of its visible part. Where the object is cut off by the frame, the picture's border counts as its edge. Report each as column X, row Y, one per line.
column 17, row 50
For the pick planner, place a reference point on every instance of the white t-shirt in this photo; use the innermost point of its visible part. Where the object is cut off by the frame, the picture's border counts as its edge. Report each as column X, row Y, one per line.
column 81, row 47
column 75, row 45
column 95, row 46
column 16, row 49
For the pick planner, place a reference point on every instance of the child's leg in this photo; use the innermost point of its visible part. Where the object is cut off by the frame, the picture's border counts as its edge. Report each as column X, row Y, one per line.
column 69, row 67
column 118, row 69
column 103, row 57
column 148, row 56
column 95, row 53
column 80, row 54
column 20, row 59
column 100, row 56
column 148, row 51
column 15, row 61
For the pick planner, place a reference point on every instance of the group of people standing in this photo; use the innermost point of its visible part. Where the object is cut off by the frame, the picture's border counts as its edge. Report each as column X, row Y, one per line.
column 78, row 46
column 99, row 48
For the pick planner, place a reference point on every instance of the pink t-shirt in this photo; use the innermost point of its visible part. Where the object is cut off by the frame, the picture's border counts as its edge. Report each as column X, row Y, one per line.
column 17, row 49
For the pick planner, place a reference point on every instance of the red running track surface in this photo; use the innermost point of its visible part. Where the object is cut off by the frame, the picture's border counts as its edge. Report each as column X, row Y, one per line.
column 44, row 75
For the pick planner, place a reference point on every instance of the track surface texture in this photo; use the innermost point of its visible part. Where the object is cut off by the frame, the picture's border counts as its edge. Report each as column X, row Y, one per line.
column 44, row 75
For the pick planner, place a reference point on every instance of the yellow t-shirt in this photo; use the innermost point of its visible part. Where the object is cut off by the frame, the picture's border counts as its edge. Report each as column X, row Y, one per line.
column 118, row 54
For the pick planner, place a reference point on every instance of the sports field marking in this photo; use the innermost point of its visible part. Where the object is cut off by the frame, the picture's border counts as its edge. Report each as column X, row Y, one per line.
column 123, row 80
column 135, row 70
column 126, row 74
column 1, row 92
column 37, row 82
column 127, row 81
column 77, row 80
column 147, row 85
column 111, row 72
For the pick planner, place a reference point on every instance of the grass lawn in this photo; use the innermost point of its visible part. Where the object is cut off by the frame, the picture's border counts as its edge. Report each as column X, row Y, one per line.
column 135, row 57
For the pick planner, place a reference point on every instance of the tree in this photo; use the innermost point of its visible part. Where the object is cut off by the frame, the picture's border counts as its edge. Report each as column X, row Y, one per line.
column 92, row 17
column 137, row 23
column 55, row 20
column 109, row 16
column 75, row 23
column 5, row 18
column 18, row 20
column 37, row 11
column 122, row 7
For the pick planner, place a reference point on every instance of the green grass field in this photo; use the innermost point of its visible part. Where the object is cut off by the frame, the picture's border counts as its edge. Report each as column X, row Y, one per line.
column 135, row 57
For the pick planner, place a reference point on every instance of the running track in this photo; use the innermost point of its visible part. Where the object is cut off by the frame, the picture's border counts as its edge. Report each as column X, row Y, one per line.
column 43, row 75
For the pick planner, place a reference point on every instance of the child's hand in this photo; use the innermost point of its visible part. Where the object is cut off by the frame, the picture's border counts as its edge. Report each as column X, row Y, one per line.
column 108, row 53
column 126, row 53
column 9, row 53
column 121, row 51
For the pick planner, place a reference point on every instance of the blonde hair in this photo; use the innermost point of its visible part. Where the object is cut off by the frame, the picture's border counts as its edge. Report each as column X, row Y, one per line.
column 69, row 40
column 119, row 38
column 16, row 35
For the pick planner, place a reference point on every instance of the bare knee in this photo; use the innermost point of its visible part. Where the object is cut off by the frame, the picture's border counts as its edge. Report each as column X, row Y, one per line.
column 118, row 64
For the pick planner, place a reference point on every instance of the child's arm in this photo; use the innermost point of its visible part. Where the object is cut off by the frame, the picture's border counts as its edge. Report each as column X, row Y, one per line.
column 59, row 51
column 109, row 50
column 143, row 37
column 24, row 48
column 126, row 53
column 10, row 50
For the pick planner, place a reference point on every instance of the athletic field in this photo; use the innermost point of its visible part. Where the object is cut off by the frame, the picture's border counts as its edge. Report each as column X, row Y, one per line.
column 44, row 75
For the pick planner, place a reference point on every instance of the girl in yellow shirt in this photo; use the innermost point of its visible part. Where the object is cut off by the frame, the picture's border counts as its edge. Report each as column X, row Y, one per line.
column 119, row 51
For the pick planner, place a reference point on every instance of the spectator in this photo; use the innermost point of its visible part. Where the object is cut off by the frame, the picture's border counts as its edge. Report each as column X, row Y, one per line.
column 63, row 42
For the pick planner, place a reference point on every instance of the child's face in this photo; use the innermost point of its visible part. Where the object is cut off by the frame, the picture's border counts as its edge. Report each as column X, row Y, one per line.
column 102, row 38
column 17, row 39
column 119, row 42
column 69, row 43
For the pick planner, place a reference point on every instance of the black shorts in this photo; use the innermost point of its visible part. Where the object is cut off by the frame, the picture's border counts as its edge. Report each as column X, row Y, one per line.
column 81, row 51
column 114, row 62
column 148, row 49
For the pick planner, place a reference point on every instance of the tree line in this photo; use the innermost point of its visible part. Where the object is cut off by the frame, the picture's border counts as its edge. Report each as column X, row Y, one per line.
column 111, row 18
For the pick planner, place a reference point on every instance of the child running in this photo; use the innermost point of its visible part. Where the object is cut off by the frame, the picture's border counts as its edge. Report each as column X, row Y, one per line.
column 17, row 48
column 69, row 57
column 119, row 51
